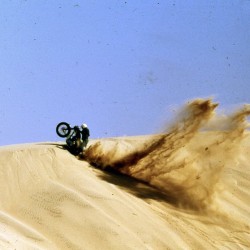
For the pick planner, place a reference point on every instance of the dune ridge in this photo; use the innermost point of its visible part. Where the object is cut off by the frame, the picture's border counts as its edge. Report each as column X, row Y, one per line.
column 189, row 189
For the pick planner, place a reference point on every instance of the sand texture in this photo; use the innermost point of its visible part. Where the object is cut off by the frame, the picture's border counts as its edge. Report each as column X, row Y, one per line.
column 186, row 188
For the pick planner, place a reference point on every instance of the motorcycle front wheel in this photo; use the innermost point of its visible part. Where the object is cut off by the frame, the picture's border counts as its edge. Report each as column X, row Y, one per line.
column 63, row 129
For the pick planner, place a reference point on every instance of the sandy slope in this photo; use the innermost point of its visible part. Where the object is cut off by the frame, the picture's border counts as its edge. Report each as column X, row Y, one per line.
column 199, row 169
column 51, row 200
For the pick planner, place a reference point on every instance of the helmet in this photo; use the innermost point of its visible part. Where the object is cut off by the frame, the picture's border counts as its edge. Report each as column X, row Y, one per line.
column 84, row 125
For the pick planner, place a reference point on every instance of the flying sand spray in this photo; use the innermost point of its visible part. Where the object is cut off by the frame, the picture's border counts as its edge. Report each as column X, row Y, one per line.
column 178, row 163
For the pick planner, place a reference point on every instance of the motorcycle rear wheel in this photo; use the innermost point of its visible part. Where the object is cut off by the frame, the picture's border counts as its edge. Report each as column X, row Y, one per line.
column 63, row 129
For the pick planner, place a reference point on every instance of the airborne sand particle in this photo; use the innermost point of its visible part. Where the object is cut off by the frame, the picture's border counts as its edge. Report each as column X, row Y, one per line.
column 186, row 171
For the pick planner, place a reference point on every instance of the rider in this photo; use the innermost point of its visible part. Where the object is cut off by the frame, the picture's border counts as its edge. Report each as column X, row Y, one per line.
column 79, row 137
column 85, row 135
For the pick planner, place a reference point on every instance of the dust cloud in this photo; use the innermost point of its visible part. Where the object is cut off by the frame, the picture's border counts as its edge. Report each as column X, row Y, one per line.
column 187, row 159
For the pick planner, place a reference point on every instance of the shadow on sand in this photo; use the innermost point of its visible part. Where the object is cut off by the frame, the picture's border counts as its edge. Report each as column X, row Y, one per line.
column 133, row 186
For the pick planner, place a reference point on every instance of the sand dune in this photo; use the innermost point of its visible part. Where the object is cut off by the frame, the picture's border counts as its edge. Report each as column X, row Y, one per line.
column 190, row 189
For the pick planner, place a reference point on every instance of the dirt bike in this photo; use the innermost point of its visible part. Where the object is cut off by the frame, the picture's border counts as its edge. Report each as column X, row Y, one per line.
column 74, row 144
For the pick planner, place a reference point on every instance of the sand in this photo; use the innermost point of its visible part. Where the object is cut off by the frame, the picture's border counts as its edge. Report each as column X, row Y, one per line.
column 186, row 188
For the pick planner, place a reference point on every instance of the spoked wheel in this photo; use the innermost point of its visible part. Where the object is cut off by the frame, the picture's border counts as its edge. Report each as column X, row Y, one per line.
column 63, row 129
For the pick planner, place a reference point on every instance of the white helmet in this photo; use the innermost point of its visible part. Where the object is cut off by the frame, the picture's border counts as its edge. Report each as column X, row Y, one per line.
column 84, row 125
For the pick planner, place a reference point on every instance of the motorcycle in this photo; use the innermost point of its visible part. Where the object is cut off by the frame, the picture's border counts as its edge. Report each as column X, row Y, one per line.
column 74, row 144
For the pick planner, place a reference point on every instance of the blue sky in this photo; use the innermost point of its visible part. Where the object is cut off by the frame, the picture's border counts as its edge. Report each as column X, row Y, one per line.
column 119, row 66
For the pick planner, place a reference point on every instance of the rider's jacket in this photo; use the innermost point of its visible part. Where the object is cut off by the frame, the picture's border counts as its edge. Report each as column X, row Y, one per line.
column 85, row 133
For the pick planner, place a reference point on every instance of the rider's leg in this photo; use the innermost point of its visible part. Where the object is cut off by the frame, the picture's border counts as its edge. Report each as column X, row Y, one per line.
column 85, row 142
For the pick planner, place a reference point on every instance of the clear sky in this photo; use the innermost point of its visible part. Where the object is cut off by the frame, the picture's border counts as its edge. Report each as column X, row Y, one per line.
column 118, row 66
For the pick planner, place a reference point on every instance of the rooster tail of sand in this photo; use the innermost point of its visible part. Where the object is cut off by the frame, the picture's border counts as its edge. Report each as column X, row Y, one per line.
column 186, row 161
